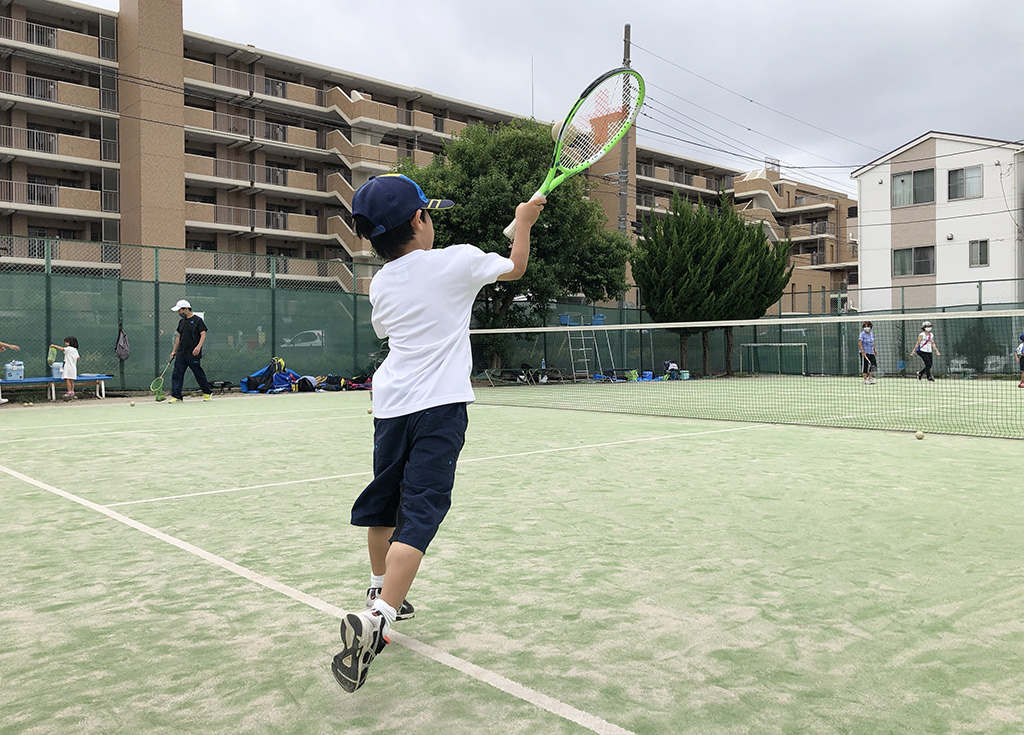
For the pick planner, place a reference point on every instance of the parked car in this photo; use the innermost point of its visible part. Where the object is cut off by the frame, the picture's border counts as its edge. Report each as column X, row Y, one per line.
column 311, row 338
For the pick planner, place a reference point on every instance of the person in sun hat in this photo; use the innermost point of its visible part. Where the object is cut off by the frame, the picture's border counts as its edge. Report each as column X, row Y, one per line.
column 924, row 348
column 188, row 351
column 421, row 301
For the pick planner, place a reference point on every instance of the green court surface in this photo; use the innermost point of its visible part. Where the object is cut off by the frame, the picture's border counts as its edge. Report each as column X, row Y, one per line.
column 181, row 568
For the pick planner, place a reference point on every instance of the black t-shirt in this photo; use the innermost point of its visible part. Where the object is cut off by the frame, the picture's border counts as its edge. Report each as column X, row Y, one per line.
column 190, row 329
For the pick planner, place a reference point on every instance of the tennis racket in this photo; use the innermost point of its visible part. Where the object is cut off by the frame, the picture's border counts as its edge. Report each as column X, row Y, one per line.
column 157, row 386
column 596, row 122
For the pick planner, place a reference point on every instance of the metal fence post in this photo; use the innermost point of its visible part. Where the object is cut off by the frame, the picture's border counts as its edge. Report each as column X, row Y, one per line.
column 980, row 302
column 273, row 305
column 156, row 311
column 47, row 244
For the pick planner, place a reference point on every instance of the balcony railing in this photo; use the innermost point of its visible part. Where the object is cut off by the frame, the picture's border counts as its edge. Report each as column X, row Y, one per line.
column 265, row 219
column 28, row 140
column 20, row 30
column 50, row 90
column 20, row 192
column 810, row 229
column 26, row 86
column 681, row 177
column 645, row 169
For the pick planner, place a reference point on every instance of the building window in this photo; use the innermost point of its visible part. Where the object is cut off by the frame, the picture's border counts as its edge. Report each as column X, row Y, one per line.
column 979, row 253
column 965, row 183
column 914, row 261
column 913, row 187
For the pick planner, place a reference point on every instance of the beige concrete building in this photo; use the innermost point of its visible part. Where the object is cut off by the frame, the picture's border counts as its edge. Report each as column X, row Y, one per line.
column 125, row 128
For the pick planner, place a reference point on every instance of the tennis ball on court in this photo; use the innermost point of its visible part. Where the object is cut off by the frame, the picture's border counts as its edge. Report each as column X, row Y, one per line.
column 25, row 404
column 919, row 435
column 30, row 404
column 132, row 403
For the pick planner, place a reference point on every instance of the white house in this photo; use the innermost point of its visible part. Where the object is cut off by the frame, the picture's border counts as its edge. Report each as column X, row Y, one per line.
column 940, row 225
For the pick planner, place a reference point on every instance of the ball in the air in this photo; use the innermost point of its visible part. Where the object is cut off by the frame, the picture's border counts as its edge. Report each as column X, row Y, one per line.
column 369, row 410
column 132, row 403
column 555, row 130
column 919, row 435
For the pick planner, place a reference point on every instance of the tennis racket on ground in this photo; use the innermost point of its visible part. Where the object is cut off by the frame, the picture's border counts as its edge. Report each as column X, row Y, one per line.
column 157, row 386
column 596, row 122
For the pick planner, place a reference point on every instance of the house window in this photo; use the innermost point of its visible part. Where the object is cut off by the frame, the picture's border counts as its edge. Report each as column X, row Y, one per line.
column 914, row 261
column 913, row 187
column 965, row 183
column 979, row 253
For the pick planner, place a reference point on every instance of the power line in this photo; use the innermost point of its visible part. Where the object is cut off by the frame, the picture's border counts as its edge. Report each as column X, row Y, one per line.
column 753, row 101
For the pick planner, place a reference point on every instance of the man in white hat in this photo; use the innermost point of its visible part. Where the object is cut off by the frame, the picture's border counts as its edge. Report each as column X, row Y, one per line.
column 188, row 350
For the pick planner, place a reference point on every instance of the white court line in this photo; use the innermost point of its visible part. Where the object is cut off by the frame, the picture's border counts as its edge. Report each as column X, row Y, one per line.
column 179, row 429
column 461, row 461
column 519, row 691
column 198, row 417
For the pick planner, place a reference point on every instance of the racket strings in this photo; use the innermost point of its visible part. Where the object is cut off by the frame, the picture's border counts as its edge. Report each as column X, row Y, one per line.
column 599, row 121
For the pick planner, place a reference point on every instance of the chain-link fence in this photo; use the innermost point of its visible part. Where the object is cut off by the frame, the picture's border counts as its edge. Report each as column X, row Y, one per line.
column 313, row 313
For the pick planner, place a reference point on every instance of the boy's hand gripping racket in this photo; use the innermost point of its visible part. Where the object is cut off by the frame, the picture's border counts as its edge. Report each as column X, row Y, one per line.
column 596, row 122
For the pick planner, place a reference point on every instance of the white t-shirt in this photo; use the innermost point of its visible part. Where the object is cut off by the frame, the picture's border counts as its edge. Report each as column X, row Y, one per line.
column 70, row 363
column 422, row 303
column 926, row 341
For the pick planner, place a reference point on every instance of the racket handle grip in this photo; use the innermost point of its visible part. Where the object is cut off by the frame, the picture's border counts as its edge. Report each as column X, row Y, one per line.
column 510, row 230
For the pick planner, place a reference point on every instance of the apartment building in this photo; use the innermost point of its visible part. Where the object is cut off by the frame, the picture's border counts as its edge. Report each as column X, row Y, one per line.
column 125, row 128
column 940, row 224
column 820, row 223
column 122, row 127
column 822, row 227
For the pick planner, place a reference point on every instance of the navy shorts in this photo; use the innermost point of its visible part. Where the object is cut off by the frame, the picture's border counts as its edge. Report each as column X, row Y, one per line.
column 414, row 460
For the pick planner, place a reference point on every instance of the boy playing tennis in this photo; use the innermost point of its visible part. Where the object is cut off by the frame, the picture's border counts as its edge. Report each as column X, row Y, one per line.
column 421, row 301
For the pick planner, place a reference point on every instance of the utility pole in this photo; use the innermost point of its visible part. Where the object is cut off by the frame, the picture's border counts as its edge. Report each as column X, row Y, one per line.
column 624, row 154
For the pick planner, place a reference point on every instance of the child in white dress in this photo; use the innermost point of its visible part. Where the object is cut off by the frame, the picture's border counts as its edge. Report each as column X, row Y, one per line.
column 70, row 371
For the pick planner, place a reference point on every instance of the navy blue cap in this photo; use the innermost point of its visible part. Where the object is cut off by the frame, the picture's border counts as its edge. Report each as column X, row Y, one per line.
column 390, row 200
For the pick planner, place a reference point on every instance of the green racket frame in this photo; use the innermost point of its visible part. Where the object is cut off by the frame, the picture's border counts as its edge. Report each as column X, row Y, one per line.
column 559, row 172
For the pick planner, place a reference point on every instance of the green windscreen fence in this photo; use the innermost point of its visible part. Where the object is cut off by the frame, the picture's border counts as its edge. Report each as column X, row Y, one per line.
column 802, row 371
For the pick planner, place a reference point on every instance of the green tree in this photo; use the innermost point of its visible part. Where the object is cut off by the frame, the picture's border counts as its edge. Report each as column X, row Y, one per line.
column 707, row 264
column 487, row 171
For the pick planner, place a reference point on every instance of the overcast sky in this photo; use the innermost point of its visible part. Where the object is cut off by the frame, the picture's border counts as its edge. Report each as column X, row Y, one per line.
column 810, row 82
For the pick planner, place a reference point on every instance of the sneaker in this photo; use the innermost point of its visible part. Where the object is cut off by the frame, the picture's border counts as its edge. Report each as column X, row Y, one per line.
column 207, row 397
column 871, row 381
column 5, row 400
column 174, row 400
column 919, row 376
column 1020, row 385
column 405, row 612
column 70, row 396
column 865, row 381
column 362, row 636
column 931, row 379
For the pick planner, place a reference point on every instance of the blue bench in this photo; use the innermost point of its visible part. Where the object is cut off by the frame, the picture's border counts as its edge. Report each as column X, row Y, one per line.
column 51, row 384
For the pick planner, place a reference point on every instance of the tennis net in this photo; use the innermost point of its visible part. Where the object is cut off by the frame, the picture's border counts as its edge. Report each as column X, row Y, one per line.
column 799, row 371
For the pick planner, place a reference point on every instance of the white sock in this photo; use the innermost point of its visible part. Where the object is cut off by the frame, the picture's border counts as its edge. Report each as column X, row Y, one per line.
column 387, row 612
column 376, row 581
